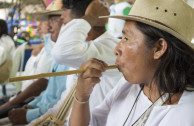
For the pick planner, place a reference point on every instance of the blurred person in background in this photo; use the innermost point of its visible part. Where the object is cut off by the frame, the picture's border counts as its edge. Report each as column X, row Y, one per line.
column 7, row 48
column 39, row 62
column 156, row 58
column 55, row 85
column 83, row 36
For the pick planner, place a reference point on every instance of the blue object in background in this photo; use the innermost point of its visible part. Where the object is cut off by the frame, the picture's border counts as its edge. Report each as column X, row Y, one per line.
column 26, row 57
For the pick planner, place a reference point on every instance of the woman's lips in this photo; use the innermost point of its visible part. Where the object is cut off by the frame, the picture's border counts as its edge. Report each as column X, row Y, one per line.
column 118, row 67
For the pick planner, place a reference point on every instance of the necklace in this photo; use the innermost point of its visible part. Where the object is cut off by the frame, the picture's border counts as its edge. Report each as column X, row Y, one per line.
column 133, row 106
column 158, row 102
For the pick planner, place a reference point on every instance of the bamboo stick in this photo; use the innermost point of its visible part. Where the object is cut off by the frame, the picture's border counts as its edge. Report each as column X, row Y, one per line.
column 43, row 75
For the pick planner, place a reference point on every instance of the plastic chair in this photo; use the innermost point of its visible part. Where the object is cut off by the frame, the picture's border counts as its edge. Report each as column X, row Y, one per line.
column 18, row 61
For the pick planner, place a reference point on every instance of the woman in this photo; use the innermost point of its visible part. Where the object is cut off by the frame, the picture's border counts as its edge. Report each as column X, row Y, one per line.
column 157, row 61
column 7, row 48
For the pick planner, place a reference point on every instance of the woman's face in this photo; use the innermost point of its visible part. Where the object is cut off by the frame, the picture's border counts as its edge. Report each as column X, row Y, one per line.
column 135, row 60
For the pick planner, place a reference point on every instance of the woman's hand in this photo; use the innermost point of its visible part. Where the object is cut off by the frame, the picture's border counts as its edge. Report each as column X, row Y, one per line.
column 87, row 80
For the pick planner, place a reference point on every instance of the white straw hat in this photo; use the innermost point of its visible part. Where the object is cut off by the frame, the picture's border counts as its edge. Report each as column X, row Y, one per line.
column 54, row 8
column 173, row 16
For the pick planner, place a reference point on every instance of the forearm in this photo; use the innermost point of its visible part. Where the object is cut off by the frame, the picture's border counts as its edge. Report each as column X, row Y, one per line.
column 80, row 115
column 33, row 90
column 71, row 44
column 86, row 81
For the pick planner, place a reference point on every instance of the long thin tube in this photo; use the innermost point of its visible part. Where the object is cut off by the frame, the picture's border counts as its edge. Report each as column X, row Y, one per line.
column 43, row 75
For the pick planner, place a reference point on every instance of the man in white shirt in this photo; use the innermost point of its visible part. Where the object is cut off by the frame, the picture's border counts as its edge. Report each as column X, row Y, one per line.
column 152, row 92
column 74, row 46
column 41, row 63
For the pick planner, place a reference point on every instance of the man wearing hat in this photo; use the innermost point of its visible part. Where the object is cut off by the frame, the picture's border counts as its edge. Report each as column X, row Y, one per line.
column 36, row 64
column 156, row 58
column 84, row 38
column 55, row 86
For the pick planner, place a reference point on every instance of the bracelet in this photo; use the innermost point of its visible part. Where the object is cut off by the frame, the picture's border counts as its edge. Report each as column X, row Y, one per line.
column 80, row 101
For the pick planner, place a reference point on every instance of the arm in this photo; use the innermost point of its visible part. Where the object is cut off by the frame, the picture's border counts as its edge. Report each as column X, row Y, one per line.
column 71, row 45
column 33, row 90
column 80, row 114
column 36, row 65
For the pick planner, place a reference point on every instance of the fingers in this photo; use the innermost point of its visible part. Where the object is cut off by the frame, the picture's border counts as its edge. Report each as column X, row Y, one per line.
column 94, row 68
column 26, row 106
column 95, row 64
column 92, row 73
column 17, row 116
column 92, row 81
column 11, row 111
column 11, row 115
column 87, row 80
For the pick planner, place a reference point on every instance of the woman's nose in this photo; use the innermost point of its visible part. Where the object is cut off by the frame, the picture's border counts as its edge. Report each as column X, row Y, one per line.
column 117, row 50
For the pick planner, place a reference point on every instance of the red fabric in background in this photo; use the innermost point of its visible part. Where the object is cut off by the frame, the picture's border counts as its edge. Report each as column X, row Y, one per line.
column 48, row 2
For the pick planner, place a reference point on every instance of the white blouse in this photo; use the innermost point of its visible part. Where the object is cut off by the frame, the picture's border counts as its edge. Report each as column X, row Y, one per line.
column 118, row 103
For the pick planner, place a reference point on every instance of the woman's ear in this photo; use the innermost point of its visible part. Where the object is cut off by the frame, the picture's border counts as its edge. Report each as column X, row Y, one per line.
column 160, row 48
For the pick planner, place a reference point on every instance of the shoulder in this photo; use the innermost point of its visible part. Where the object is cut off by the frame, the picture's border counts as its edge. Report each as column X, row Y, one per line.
column 185, row 108
column 6, row 37
column 186, row 103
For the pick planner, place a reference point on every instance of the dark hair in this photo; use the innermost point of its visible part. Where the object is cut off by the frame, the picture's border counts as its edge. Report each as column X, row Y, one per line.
column 78, row 7
column 176, row 69
column 3, row 28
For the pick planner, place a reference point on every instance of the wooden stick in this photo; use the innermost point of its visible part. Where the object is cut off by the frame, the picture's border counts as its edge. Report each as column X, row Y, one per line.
column 43, row 75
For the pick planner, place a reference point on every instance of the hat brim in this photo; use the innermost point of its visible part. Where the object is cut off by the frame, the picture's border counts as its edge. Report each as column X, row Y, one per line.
column 44, row 16
column 152, row 23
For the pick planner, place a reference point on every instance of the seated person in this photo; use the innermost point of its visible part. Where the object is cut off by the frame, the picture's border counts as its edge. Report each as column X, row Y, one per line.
column 156, row 58
column 40, row 63
column 7, row 48
column 56, row 85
